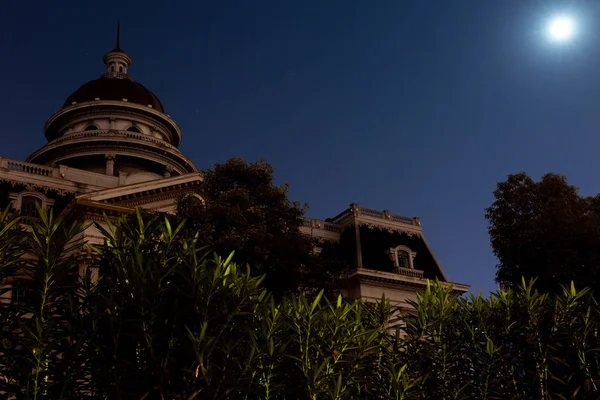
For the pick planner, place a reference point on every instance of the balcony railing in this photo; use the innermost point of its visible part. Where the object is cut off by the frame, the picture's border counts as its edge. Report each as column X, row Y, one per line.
column 318, row 224
column 67, row 175
column 113, row 133
column 415, row 273
column 355, row 210
column 34, row 169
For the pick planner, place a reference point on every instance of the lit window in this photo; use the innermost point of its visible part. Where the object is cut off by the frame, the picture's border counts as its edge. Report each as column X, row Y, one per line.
column 29, row 206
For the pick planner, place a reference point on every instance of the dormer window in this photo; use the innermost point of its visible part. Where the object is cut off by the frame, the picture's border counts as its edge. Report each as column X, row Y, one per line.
column 402, row 257
column 133, row 129
column 91, row 128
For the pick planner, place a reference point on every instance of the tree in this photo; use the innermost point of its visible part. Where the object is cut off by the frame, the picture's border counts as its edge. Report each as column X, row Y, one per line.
column 242, row 210
column 544, row 230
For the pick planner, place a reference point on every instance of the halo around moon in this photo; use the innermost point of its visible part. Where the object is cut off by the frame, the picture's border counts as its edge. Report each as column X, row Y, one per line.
column 561, row 28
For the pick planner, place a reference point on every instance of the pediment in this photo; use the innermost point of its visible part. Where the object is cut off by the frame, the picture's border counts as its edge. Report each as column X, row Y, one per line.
column 156, row 195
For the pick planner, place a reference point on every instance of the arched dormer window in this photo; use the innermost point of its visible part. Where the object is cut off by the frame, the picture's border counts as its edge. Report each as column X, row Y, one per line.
column 402, row 257
column 91, row 128
column 133, row 129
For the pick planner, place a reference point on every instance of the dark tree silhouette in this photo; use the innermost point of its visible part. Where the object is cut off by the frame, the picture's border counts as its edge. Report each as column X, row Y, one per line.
column 242, row 210
column 544, row 230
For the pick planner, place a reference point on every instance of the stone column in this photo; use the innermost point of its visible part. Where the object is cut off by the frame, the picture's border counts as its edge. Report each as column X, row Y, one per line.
column 110, row 164
column 122, row 177
column 113, row 123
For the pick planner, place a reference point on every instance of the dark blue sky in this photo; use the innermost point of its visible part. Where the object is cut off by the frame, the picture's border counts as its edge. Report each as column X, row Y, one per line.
column 418, row 107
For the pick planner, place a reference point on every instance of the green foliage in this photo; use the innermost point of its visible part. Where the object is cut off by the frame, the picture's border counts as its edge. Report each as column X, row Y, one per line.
column 545, row 230
column 168, row 320
column 36, row 333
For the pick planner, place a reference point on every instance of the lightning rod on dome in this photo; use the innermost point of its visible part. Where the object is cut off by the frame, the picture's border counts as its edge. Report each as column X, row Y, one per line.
column 118, row 35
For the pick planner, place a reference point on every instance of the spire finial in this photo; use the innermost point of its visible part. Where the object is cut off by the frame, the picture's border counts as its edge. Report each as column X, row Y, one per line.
column 118, row 35
column 116, row 60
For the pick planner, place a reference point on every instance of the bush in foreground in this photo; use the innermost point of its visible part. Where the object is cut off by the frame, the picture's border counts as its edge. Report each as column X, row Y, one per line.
column 166, row 320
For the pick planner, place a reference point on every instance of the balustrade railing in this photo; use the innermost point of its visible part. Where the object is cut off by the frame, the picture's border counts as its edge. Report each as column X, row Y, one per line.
column 405, row 220
column 318, row 224
column 371, row 213
column 341, row 216
column 333, row 224
column 34, row 169
column 331, row 227
column 415, row 273
column 112, row 133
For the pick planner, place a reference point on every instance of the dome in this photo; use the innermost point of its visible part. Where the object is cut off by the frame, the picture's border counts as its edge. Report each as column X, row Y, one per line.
column 108, row 88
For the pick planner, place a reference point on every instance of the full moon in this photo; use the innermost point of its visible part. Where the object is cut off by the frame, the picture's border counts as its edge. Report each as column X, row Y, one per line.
column 561, row 29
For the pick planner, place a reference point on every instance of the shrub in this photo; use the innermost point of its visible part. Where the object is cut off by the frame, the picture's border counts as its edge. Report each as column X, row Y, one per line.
column 169, row 320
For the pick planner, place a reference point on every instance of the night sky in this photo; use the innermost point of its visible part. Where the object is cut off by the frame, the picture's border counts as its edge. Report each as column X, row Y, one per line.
column 418, row 107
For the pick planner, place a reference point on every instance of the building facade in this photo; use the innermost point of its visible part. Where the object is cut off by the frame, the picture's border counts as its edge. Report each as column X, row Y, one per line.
column 112, row 148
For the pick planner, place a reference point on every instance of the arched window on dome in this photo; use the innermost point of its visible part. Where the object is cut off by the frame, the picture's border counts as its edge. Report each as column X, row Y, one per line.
column 133, row 129
column 91, row 128
column 120, row 69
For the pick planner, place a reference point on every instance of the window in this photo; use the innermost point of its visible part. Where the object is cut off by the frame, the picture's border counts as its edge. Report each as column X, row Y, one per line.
column 27, row 201
column 120, row 69
column 21, row 295
column 402, row 257
column 91, row 128
column 29, row 206
column 403, row 260
column 112, row 68
column 133, row 129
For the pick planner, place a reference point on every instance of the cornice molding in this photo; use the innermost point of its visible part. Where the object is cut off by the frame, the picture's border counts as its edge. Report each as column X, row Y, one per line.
column 132, row 147
column 38, row 187
column 155, row 194
column 396, row 280
column 171, row 194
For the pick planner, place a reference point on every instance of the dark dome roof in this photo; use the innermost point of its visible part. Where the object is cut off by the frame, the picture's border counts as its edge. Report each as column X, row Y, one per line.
column 117, row 89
